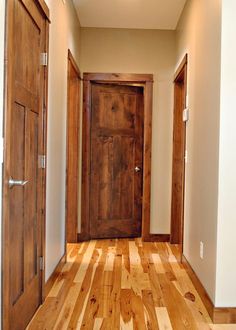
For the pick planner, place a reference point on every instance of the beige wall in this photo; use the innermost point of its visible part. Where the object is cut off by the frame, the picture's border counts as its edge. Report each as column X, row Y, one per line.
column 64, row 34
column 198, row 34
column 142, row 51
column 226, row 242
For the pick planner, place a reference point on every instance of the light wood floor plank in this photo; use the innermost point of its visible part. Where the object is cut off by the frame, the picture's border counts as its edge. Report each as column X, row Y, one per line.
column 149, row 310
column 81, row 301
column 126, row 315
column 122, row 284
column 163, row 318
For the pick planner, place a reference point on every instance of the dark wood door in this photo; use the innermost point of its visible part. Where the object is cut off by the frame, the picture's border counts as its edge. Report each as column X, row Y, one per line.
column 73, row 123
column 116, row 161
column 23, row 203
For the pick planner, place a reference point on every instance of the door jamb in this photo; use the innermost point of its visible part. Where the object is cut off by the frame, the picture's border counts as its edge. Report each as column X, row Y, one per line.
column 76, row 68
column 182, row 70
column 145, row 81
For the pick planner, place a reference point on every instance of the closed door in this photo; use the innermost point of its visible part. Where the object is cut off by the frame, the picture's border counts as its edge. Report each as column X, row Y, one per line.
column 24, row 179
column 116, row 161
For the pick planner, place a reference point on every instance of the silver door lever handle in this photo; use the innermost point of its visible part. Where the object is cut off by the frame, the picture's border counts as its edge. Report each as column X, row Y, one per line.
column 13, row 182
column 137, row 169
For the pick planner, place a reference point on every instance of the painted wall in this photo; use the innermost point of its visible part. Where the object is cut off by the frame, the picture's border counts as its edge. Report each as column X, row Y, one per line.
column 198, row 34
column 142, row 51
column 2, row 31
column 64, row 34
column 226, row 246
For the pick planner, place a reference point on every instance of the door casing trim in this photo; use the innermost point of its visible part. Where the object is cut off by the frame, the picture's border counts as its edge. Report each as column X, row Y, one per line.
column 71, row 61
column 180, row 76
column 142, row 80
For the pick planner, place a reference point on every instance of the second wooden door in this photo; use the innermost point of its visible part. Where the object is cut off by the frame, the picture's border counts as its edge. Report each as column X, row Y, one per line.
column 116, row 161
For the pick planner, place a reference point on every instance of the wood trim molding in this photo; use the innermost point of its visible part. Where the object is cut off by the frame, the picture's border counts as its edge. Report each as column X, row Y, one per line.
column 118, row 77
column 217, row 314
column 179, row 146
column 85, row 160
column 147, row 149
column 181, row 66
column 146, row 81
column 157, row 238
column 224, row 315
column 149, row 238
column 72, row 148
column 81, row 238
column 75, row 65
column 42, row 4
column 54, row 275
column 45, row 121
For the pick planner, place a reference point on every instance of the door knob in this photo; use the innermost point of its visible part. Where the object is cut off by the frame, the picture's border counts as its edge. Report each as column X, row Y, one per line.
column 13, row 182
column 137, row 169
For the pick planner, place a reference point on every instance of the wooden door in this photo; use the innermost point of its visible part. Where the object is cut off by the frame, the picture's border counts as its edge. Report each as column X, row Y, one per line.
column 24, row 142
column 178, row 166
column 73, row 123
column 116, row 161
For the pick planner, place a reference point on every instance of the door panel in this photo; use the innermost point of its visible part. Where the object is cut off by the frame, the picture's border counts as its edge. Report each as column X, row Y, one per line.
column 24, row 142
column 27, row 44
column 30, row 196
column 116, row 148
column 115, row 173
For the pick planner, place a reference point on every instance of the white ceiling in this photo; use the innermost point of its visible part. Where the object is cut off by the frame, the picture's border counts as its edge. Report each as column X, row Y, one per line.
column 133, row 14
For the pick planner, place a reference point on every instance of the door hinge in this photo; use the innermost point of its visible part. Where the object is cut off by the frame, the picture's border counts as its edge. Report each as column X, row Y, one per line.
column 44, row 59
column 41, row 263
column 42, row 161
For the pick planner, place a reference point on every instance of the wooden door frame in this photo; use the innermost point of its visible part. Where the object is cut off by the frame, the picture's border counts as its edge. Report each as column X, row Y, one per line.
column 41, row 5
column 142, row 80
column 71, row 61
column 180, row 77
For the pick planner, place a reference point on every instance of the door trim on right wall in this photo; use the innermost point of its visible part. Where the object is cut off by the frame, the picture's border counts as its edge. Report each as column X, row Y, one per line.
column 178, row 162
column 145, row 81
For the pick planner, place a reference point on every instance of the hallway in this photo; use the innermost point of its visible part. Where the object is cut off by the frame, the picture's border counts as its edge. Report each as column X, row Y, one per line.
column 123, row 284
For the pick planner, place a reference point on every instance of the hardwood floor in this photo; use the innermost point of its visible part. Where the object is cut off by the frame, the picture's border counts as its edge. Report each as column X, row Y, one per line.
column 123, row 284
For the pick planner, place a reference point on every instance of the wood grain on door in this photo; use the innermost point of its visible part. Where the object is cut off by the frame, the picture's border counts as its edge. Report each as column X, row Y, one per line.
column 25, row 137
column 116, row 161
